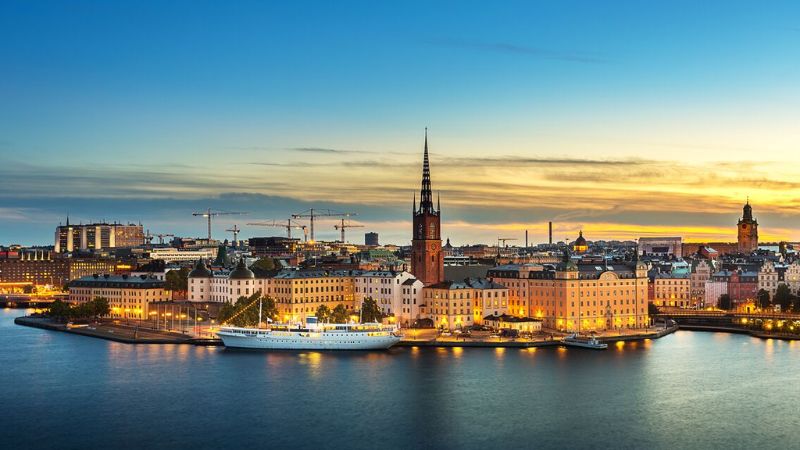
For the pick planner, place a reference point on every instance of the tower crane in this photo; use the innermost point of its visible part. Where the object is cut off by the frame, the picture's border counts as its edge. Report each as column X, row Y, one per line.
column 235, row 230
column 288, row 225
column 503, row 240
column 345, row 225
column 209, row 213
column 149, row 237
column 312, row 213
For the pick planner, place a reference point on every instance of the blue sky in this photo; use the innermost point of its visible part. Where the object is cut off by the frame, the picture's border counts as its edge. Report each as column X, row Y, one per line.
column 620, row 118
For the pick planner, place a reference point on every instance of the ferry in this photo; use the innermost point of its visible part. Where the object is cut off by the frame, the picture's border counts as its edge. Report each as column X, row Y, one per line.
column 311, row 335
column 592, row 343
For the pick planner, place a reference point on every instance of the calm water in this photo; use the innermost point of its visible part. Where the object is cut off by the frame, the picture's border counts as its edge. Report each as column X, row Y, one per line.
column 688, row 390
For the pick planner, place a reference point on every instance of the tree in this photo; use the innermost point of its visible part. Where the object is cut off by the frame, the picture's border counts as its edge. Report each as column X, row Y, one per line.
column 339, row 314
column 763, row 298
column 370, row 312
column 323, row 313
column 652, row 309
column 100, row 307
column 725, row 302
column 222, row 257
column 29, row 289
column 177, row 280
column 783, row 297
column 59, row 310
column 244, row 313
column 265, row 264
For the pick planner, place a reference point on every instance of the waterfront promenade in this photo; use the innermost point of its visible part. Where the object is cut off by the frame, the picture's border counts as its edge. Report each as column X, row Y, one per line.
column 139, row 332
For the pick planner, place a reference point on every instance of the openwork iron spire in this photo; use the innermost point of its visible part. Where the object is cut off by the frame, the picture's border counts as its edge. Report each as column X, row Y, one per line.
column 426, row 197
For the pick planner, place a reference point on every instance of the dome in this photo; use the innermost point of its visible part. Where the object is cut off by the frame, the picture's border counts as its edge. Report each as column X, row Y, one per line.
column 200, row 270
column 581, row 241
column 241, row 272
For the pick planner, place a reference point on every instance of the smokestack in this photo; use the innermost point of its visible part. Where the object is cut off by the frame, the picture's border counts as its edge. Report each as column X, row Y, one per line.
column 526, row 238
column 550, row 232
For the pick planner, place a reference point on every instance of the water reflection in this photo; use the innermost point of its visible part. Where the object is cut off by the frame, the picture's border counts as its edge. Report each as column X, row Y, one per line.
column 664, row 393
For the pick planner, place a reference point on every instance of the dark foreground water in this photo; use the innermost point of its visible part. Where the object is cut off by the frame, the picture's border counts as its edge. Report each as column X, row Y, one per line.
column 688, row 390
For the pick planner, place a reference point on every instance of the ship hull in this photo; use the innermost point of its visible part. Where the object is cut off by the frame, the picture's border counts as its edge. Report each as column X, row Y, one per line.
column 297, row 342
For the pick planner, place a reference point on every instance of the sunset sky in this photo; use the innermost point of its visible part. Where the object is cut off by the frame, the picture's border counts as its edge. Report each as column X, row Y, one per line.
column 624, row 119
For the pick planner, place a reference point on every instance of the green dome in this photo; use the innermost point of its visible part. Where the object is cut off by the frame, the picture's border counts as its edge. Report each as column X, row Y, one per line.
column 200, row 270
column 241, row 272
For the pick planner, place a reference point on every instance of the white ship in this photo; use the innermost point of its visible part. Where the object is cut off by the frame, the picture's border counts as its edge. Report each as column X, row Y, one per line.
column 312, row 335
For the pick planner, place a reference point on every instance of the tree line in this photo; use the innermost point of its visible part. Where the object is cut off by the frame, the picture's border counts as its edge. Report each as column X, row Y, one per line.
column 92, row 309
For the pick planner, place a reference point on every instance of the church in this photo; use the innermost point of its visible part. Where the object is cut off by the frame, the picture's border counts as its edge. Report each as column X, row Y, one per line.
column 427, row 258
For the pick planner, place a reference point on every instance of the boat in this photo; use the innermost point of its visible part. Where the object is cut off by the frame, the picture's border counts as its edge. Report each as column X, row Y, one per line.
column 311, row 335
column 591, row 343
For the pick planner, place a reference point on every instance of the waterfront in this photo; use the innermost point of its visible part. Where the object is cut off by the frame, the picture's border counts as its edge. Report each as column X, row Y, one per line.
column 686, row 390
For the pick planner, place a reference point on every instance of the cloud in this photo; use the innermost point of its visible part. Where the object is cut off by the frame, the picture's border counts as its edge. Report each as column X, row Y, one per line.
column 511, row 161
column 323, row 150
column 515, row 49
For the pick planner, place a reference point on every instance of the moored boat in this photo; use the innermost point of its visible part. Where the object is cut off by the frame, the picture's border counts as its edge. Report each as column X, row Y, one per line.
column 312, row 335
column 591, row 343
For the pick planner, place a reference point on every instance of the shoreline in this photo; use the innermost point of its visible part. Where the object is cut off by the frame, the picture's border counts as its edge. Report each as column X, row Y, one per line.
column 162, row 337
column 734, row 330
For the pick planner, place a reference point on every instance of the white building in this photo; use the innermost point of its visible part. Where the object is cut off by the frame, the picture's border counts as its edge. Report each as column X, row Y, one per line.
column 768, row 278
column 389, row 289
column 223, row 286
column 170, row 254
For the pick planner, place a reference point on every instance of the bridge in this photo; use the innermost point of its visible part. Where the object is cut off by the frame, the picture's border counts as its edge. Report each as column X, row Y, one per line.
column 29, row 300
column 760, row 323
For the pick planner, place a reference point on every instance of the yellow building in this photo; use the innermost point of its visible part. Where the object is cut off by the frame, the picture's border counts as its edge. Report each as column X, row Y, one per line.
column 671, row 290
column 582, row 297
column 453, row 305
column 299, row 293
column 128, row 297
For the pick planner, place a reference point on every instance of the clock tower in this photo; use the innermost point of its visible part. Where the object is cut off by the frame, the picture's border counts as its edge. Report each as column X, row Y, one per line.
column 427, row 259
column 748, row 230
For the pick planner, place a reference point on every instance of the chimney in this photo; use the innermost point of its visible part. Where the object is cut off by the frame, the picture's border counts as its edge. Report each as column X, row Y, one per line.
column 526, row 238
column 550, row 232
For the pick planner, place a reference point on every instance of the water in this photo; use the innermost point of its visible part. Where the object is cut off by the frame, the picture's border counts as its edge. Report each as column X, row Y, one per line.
column 687, row 390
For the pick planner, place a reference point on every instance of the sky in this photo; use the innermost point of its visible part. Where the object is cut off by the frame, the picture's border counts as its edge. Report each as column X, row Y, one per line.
column 621, row 119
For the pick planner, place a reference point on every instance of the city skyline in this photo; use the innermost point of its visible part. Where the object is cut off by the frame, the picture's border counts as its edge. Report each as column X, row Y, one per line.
column 623, row 121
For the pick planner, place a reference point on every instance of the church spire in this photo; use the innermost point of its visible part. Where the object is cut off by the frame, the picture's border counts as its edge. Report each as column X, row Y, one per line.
column 426, row 197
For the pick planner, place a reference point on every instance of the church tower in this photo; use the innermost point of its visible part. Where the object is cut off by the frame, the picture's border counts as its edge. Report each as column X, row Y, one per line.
column 427, row 259
column 748, row 230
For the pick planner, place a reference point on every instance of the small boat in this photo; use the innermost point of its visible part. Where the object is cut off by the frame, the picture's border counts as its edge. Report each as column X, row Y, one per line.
column 591, row 343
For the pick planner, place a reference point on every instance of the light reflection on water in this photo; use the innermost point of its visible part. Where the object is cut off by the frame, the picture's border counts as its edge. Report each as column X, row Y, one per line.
column 677, row 392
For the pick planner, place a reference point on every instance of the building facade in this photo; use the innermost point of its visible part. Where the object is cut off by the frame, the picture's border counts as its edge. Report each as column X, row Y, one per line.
column 455, row 305
column 128, row 297
column 371, row 238
column 581, row 297
column 97, row 236
column 672, row 290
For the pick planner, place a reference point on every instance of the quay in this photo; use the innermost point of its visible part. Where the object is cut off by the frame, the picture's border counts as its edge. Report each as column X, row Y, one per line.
column 141, row 335
column 118, row 333
column 540, row 341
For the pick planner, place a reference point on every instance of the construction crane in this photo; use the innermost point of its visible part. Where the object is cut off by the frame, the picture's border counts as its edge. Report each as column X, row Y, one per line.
column 235, row 230
column 345, row 225
column 288, row 225
column 149, row 237
column 503, row 240
column 209, row 213
column 313, row 213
